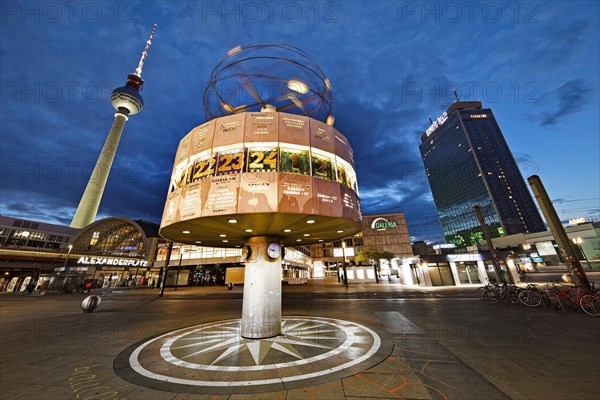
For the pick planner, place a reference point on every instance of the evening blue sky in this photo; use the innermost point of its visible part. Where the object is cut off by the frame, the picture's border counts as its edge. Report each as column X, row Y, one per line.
column 392, row 64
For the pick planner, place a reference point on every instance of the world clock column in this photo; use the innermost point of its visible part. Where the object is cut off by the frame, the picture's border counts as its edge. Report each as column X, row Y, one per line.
column 261, row 309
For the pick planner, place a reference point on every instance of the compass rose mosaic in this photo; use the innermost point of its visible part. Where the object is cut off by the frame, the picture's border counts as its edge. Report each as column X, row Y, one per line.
column 214, row 358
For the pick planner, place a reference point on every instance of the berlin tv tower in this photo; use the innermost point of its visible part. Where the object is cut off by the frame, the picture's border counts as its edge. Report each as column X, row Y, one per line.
column 127, row 101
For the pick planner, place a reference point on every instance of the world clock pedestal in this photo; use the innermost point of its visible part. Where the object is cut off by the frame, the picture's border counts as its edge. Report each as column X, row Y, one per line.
column 261, row 308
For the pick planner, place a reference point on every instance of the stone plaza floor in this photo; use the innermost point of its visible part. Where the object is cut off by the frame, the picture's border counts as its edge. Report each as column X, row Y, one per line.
column 442, row 344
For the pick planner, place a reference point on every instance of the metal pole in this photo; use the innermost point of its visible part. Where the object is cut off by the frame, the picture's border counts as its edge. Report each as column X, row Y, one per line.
column 488, row 239
column 344, row 263
column 67, row 256
column 375, row 269
column 164, row 277
column 559, row 233
column 178, row 269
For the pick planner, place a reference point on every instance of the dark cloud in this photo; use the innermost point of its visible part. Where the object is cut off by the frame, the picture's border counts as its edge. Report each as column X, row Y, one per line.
column 569, row 96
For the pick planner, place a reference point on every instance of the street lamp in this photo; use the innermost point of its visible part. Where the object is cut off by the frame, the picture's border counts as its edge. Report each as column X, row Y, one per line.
column 578, row 241
column 67, row 257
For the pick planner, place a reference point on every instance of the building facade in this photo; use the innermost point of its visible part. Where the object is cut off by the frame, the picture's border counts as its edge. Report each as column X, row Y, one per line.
column 535, row 251
column 385, row 232
column 28, row 249
column 468, row 163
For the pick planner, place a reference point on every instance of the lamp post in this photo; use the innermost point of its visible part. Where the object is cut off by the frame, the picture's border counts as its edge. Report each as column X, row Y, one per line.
column 578, row 241
column 344, row 262
column 165, row 270
column 67, row 257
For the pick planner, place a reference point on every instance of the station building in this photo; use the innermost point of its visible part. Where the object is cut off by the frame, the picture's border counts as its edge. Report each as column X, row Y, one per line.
column 28, row 248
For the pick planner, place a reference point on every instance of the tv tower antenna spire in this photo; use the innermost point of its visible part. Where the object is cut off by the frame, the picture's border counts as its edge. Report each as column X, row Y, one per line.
column 127, row 101
column 138, row 70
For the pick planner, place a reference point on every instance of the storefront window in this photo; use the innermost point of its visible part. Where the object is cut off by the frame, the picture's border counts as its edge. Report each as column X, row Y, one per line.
column 440, row 274
column 467, row 272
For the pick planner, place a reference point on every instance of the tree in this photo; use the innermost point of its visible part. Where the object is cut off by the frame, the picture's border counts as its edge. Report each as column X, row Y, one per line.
column 371, row 255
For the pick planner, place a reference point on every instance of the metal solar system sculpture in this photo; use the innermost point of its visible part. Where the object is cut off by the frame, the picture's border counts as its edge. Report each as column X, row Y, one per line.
column 279, row 76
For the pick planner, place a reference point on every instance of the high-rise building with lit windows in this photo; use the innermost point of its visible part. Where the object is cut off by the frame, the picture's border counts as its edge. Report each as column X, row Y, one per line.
column 468, row 163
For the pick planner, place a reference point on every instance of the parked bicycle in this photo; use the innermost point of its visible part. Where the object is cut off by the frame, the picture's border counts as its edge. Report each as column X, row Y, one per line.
column 533, row 296
column 574, row 298
column 567, row 297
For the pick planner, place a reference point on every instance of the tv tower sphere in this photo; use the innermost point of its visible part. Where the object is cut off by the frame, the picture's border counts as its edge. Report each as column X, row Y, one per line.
column 127, row 101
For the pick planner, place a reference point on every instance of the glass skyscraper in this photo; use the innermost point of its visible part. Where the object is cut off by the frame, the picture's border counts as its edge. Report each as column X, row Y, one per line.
column 468, row 163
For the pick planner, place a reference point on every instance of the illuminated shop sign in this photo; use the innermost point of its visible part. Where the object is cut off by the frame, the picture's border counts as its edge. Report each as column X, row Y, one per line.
column 478, row 115
column 111, row 261
column 577, row 221
column 439, row 121
column 449, row 246
column 381, row 224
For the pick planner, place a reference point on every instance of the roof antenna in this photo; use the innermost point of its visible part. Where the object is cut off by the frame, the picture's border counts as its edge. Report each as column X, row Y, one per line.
column 456, row 95
column 138, row 70
column 430, row 120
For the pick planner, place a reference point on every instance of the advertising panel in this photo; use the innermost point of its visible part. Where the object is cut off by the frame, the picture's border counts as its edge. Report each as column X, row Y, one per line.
column 202, row 137
column 261, row 127
column 229, row 130
column 221, row 195
column 546, row 248
column 295, row 194
column 321, row 136
column 293, row 129
column 326, row 198
column 258, row 193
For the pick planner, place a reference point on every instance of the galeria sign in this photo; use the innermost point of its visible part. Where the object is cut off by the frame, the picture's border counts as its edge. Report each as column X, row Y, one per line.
column 381, row 224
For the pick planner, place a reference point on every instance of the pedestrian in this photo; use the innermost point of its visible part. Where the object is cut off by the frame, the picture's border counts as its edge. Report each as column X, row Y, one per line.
column 522, row 274
column 30, row 288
